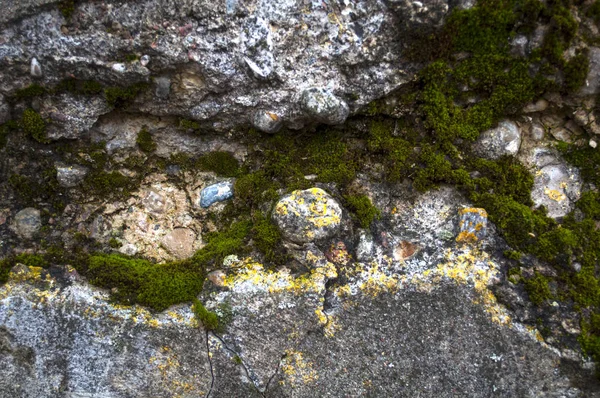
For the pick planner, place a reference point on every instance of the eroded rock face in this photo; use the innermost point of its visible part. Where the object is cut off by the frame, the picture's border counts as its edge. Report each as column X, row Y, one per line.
column 308, row 215
column 324, row 106
column 219, row 62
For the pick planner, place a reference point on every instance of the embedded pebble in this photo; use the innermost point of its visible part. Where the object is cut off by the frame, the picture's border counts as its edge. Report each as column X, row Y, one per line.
column 28, row 222
column 216, row 193
column 36, row 68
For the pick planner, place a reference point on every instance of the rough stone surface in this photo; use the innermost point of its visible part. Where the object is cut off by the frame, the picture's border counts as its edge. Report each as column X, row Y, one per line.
column 78, row 345
column 472, row 225
column 267, row 122
column 180, row 242
column 308, row 215
column 556, row 186
column 216, row 193
column 226, row 59
column 502, row 140
column 324, row 106
column 28, row 222
column 592, row 83
column 71, row 116
column 4, row 110
column 70, row 176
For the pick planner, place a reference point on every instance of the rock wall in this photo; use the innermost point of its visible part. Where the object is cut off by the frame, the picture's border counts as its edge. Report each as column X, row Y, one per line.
column 253, row 199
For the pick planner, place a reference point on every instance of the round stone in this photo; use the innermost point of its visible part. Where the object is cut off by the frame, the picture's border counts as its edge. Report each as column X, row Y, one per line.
column 28, row 222
column 267, row 122
column 180, row 242
column 308, row 215
column 324, row 106
column 497, row 142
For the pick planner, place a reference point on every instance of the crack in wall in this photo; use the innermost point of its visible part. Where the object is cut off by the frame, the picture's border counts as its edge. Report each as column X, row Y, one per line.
column 212, row 373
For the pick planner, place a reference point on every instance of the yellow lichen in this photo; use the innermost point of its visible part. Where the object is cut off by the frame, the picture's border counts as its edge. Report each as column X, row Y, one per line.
column 296, row 370
column 555, row 195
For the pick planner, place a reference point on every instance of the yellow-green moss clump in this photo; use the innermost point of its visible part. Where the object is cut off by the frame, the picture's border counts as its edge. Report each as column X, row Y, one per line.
column 363, row 210
column 34, row 125
column 208, row 319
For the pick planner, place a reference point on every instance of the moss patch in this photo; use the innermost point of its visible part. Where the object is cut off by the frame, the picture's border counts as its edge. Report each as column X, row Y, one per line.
column 363, row 210
column 208, row 319
column 34, row 125
column 145, row 141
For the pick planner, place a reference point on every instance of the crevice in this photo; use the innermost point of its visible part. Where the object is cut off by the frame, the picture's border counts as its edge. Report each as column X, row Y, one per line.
column 242, row 363
column 212, row 373
column 273, row 376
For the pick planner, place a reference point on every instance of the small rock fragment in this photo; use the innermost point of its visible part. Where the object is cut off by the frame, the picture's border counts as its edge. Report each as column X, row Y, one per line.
column 145, row 60
column 121, row 68
column 36, row 68
column 217, row 277
column 308, row 215
column 472, row 225
column 497, row 142
column 324, row 106
column 593, row 143
column 163, row 87
column 216, row 193
column 538, row 106
column 69, row 176
column 557, row 187
column 28, row 222
column 267, row 122
column 180, row 242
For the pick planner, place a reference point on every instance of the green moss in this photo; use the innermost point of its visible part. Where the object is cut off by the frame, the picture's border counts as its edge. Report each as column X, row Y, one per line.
column 589, row 204
column 103, row 183
column 4, row 271
column 22, row 185
column 114, row 243
column 119, row 96
column 31, row 260
column 131, row 57
column 586, row 159
column 538, row 289
column 513, row 255
column 208, row 319
column 576, row 71
column 223, row 243
column 67, row 8
column 79, row 87
column 363, row 210
column 188, row 124
column 222, row 163
column 330, row 158
column 34, row 125
column 254, row 188
column 396, row 151
column 518, row 223
column 594, row 11
column 266, row 236
column 32, row 91
column 144, row 141
column 514, row 274
column 137, row 281
column 557, row 245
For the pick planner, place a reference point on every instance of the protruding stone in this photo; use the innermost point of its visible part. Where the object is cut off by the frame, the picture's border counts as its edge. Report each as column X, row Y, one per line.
column 217, row 277
column 180, row 242
column 324, row 106
column 538, row 106
column 593, row 143
column 121, row 68
column 36, row 68
column 69, row 176
column 497, row 142
column 28, row 222
column 267, row 122
column 163, row 87
column 472, row 225
column 308, row 215
column 154, row 202
column 216, row 193
column 557, row 187
column 145, row 60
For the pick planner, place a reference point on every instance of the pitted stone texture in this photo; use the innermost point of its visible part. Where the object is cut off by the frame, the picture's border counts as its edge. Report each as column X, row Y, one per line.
column 216, row 193
column 28, row 222
column 497, row 142
column 556, row 186
column 68, row 341
column 323, row 106
column 180, row 242
column 69, row 176
column 227, row 58
column 472, row 225
column 71, row 116
column 267, row 122
column 308, row 215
